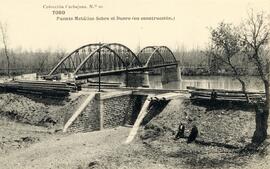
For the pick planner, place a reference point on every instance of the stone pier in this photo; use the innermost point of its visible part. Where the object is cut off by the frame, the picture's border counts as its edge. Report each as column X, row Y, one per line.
column 170, row 74
column 137, row 79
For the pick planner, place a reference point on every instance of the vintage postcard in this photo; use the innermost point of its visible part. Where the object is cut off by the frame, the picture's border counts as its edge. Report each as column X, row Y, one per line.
column 133, row 84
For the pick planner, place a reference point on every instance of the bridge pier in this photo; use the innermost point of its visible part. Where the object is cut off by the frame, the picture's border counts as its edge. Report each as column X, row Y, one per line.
column 137, row 79
column 170, row 74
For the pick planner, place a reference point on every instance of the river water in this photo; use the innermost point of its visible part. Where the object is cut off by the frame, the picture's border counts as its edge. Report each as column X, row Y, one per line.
column 208, row 82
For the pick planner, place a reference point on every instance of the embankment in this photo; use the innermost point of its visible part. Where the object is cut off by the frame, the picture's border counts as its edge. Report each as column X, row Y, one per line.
column 48, row 112
column 223, row 133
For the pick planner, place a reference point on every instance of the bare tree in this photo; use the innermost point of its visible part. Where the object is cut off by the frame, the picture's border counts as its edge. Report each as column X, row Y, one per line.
column 250, row 39
column 255, row 36
column 3, row 29
column 42, row 59
column 225, row 46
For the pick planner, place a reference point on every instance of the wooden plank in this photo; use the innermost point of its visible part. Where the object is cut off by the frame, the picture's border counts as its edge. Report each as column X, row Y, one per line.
column 168, row 96
column 221, row 90
column 138, row 121
column 226, row 95
column 38, row 88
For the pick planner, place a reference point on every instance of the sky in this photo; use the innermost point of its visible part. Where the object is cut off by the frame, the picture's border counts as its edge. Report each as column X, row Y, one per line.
column 32, row 25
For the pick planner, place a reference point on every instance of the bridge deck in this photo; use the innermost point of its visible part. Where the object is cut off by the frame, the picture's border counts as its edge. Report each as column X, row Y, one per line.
column 113, row 72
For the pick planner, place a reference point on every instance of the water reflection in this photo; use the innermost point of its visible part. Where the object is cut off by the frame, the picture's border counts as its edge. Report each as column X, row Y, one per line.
column 207, row 82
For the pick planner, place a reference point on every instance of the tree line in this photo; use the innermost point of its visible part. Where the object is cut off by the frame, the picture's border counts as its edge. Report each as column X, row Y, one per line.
column 19, row 61
column 23, row 61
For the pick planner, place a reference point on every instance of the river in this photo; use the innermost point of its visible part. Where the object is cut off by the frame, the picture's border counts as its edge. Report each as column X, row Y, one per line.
column 208, row 82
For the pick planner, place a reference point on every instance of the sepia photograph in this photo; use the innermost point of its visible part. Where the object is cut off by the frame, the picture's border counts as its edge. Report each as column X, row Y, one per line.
column 134, row 84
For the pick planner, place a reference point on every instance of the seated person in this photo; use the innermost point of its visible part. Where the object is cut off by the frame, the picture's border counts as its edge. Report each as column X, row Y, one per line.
column 193, row 134
column 180, row 133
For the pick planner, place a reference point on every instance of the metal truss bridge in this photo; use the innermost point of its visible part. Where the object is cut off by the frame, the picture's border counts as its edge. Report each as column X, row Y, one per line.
column 96, row 59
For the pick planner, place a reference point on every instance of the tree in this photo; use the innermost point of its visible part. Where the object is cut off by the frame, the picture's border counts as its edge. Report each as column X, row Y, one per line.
column 41, row 61
column 226, row 45
column 3, row 29
column 250, row 39
column 255, row 35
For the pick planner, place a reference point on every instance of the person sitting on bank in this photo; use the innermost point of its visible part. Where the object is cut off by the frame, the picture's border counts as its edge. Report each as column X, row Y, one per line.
column 193, row 134
column 213, row 95
column 181, row 131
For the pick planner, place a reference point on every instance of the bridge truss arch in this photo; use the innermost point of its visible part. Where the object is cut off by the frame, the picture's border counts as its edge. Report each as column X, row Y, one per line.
column 112, row 58
column 154, row 56
column 85, row 59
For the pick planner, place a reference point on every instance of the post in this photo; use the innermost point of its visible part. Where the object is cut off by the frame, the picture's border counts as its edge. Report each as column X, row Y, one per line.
column 268, row 69
column 268, row 78
column 126, row 77
column 126, row 64
column 99, row 75
column 100, row 110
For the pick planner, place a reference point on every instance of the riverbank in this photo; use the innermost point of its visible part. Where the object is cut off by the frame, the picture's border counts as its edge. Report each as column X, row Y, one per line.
column 36, row 110
column 223, row 133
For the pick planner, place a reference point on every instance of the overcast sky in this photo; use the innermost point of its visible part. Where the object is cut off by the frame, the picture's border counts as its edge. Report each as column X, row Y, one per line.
column 31, row 26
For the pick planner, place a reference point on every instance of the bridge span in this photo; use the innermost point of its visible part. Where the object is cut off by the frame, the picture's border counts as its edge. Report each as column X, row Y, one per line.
column 103, row 59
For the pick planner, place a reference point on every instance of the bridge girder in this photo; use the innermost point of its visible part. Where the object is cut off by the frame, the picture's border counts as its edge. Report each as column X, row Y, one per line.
column 123, row 53
column 114, row 56
column 155, row 51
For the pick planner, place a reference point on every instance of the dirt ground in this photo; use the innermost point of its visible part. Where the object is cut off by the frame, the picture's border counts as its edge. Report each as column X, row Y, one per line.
column 223, row 134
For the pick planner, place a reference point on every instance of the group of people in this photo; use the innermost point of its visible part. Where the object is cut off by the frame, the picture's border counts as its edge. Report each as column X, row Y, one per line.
column 181, row 133
column 194, row 130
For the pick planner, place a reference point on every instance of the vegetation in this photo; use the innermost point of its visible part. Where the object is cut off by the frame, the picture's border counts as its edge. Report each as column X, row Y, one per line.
column 251, row 40
column 225, row 46
column 3, row 29
column 23, row 61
